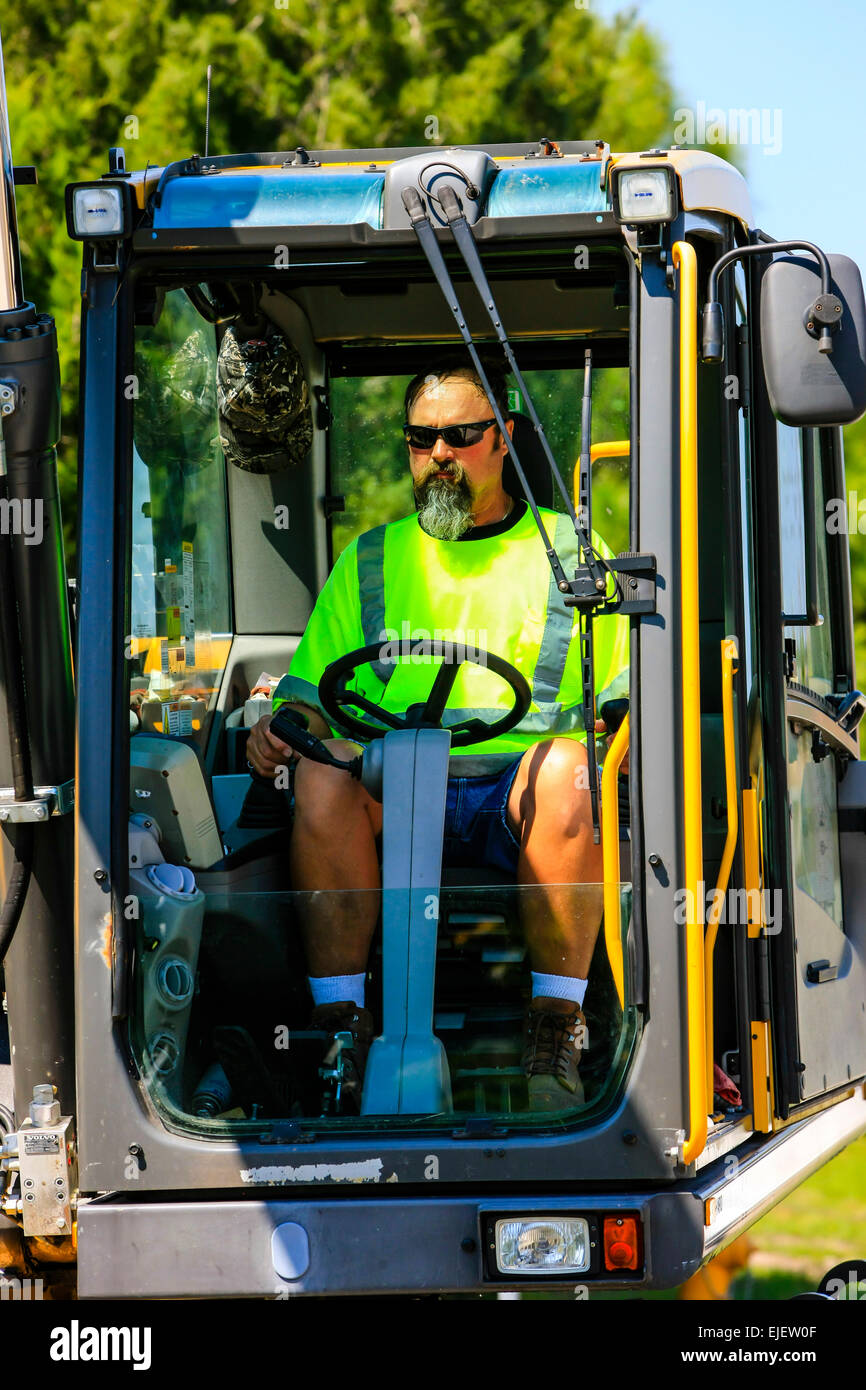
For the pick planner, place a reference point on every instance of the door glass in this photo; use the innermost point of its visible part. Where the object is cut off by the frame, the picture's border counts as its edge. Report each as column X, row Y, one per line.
column 811, row 783
column 813, row 644
column 823, row 954
column 814, row 825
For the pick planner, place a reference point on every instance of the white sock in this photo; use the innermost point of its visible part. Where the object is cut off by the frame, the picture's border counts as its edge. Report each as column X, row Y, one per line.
column 558, row 987
column 333, row 989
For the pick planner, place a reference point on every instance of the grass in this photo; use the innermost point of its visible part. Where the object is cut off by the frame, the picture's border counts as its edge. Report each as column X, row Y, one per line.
column 820, row 1225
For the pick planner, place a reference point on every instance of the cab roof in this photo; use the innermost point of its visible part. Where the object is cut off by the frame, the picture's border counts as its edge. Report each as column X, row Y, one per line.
column 350, row 188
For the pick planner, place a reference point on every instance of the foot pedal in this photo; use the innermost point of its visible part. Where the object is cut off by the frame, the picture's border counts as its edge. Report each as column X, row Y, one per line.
column 340, row 1071
column 258, row 1090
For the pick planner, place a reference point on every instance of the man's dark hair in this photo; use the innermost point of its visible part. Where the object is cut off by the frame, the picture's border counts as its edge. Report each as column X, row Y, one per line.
column 457, row 363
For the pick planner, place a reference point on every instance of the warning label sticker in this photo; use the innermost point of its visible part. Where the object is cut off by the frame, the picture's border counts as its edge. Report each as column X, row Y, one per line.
column 176, row 720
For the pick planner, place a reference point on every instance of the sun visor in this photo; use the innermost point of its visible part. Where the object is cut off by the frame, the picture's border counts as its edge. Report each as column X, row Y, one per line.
column 263, row 401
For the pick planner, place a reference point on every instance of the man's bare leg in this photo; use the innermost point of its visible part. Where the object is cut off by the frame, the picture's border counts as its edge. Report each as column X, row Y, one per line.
column 550, row 812
column 333, row 853
column 549, row 809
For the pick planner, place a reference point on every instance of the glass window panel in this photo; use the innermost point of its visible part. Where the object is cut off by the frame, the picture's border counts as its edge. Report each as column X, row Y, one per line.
column 814, row 645
column 374, row 477
column 223, row 1033
column 179, row 605
column 221, row 1026
column 814, row 826
column 747, row 652
column 792, row 531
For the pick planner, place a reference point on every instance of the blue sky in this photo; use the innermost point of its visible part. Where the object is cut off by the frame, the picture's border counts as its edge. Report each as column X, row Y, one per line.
column 803, row 60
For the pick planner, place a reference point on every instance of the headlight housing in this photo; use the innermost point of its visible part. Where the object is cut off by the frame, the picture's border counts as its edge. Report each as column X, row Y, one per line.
column 99, row 211
column 645, row 195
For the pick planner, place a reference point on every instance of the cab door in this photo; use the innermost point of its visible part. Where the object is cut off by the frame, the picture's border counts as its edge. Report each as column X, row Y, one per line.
column 818, row 936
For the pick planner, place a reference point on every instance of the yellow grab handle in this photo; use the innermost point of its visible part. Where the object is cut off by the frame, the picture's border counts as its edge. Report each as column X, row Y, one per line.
column 729, row 656
column 610, row 856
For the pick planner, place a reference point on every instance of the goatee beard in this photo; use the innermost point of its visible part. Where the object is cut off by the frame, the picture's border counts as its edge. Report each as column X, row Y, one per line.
column 444, row 507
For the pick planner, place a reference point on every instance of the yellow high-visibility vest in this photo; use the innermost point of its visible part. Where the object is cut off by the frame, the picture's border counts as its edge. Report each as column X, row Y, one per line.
column 496, row 593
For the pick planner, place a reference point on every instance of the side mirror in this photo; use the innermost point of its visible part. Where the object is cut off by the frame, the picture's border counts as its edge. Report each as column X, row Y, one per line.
column 809, row 385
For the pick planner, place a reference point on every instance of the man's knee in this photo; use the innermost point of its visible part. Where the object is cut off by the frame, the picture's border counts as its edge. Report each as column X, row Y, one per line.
column 321, row 792
column 556, row 784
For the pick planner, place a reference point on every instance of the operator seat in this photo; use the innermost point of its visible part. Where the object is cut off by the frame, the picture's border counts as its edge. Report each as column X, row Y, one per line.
column 532, row 461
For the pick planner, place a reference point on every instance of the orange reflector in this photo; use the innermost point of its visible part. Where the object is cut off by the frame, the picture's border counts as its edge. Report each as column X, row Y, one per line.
column 621, row 1242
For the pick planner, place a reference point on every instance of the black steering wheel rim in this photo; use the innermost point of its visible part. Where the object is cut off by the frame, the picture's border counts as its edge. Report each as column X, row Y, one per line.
column 334, row 697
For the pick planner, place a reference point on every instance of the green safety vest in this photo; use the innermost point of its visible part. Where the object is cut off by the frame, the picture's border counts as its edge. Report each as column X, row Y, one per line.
column 496, row 593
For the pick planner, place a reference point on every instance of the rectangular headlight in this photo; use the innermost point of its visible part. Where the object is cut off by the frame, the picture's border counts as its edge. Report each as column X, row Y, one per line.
column 543, row 1245
column 644, row 195
column 97, row 210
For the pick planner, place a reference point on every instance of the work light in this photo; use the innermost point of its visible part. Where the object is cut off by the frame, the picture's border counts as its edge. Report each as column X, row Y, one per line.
column 98, row 211
column 644, row 195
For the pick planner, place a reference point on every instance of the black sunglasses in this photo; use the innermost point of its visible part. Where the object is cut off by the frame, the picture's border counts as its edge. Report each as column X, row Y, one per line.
column 455, row 436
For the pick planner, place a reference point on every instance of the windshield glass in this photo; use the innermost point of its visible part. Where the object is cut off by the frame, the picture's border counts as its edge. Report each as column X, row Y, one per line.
column 401, row 931
column 225, row 1034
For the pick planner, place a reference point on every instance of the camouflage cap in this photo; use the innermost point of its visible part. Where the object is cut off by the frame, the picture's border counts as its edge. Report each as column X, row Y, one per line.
column 263, row 402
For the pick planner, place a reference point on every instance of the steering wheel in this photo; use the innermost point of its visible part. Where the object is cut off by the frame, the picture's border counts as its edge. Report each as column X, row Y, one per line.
column 334, row 697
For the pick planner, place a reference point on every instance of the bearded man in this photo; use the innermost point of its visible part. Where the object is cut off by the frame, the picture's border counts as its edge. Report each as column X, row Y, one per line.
column 469, row 561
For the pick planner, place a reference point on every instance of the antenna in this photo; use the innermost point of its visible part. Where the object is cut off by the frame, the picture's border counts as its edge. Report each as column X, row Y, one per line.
column 207, row 112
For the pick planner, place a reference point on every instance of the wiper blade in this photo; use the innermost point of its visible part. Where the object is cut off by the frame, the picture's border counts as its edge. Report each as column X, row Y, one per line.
column 588, row 588
column 462, row 233
column 423, row 229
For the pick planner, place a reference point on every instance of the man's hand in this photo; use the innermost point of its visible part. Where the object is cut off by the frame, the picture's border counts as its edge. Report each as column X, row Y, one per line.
column 601, row 728
column 265, row 751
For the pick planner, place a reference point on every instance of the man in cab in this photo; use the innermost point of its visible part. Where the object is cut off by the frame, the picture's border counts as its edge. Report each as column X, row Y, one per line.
column 468, row 562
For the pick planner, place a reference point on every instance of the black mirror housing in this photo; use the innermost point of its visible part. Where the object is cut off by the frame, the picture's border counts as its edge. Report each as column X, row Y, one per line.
column 807, row 385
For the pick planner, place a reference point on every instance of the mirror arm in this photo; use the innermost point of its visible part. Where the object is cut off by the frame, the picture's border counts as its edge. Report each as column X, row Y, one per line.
column 820, row 318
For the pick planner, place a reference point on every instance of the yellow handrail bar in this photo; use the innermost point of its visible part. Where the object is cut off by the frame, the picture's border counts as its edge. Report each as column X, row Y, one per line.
column 685, row 262
column 729, row 656
column 611, row 449
column 610, row 856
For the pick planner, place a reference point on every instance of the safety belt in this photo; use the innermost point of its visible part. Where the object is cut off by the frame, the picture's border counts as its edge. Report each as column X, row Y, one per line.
column 587, row 589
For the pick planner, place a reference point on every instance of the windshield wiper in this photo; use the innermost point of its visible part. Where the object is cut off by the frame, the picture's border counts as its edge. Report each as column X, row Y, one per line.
column 588, row 589
column 423, row 229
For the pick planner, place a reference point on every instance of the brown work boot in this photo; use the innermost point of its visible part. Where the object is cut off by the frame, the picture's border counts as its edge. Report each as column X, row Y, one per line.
column 555, row 1037
column 350, row 1030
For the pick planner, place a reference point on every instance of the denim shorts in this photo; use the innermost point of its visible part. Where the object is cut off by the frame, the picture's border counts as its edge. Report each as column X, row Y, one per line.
column 476, row 824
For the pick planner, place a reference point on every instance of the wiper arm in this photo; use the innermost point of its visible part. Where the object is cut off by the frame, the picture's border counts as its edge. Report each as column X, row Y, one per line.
column 423, row 229
column 462, row 233
column 588, row 588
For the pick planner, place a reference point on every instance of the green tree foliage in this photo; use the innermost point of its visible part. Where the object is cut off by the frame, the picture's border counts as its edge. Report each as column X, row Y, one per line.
column 83, row 75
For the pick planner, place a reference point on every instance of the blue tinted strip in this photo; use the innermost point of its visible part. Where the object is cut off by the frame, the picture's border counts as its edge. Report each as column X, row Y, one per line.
column 272, row 198
column 538, row 189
